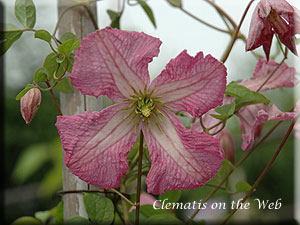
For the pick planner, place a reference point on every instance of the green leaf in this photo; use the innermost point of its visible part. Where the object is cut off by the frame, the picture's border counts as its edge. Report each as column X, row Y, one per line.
column 148, row 210
column 43, row 35
column 225, row 111
column 60, row 58
column 42, row 216
column 65, row 85
column 29, row 162
column 115, row 18
column 25, row 12
column 175, row 3
column 67, row 36
column 78, row 220
column 58, row 211
column 163, row 219
column 242, row 186
column 24, row 91
column 50, row 64
column 40, row 75
column 225, row 169
column 67, row 47
column 148, row 11
column 244, row 96
column 8, row 37
column 99, row 209
column 172, row 196
column 26, row 220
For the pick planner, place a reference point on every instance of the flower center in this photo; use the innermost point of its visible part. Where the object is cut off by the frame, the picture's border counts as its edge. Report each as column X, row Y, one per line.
column 144, row 107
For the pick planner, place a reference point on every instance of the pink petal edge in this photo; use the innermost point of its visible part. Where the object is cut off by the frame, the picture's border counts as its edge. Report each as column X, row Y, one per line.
column 110, row 61
column 180, row 158
column 192, row 84
column 96, row 145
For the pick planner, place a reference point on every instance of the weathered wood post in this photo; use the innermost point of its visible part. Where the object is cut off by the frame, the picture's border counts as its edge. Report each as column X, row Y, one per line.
column 77, row 21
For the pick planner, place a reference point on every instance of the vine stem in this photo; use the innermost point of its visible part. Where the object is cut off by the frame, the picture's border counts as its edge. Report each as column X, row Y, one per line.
column 274, row 71
column 54, row 99
column 237, row 31
column 264, row 172
column 139, row 179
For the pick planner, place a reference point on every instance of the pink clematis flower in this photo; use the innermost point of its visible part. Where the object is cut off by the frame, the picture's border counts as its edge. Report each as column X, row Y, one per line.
column 253, row 117
column 273, row 16
column 115, row 63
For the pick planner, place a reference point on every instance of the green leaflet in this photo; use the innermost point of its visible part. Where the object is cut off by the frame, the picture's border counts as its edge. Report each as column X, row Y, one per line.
column 25, row 12
column 115, row 18
column 43, row 35
column 99, row 208
column 244, row 96
column 8, row 37
column 148, row 11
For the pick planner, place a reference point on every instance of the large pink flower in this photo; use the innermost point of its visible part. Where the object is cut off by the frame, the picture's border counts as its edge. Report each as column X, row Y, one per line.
column 273, row 16
column 115, row 63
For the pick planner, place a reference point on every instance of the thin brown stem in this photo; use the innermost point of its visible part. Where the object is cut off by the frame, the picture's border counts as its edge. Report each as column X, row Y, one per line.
column 204, row 22
column 274, row 71
column 264, row 172
column 237, row 31
column 124, row 205
column 54, row 99
column 139, row 179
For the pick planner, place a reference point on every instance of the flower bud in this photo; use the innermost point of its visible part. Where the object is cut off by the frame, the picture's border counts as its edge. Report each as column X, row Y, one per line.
column 30, row 103
column 227, row 145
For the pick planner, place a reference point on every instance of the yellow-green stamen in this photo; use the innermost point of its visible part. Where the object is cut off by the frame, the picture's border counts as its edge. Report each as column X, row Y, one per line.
column 144, row 107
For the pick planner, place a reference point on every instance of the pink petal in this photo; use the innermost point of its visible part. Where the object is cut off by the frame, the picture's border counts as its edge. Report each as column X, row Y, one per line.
column 255, row 35
column 180, row 158
column 280, row 6
column 283, row 77
column 96, row 144
column 192, row 84
column 253, row 116
column 147, row 199
column 110, row 61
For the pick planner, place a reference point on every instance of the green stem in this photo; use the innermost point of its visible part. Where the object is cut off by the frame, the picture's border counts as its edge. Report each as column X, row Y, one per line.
column 139, row 179
column 264, row 172
column 124, row 205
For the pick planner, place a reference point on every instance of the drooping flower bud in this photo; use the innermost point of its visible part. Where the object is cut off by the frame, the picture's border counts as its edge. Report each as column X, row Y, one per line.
column 30, row 103
column 227, row 145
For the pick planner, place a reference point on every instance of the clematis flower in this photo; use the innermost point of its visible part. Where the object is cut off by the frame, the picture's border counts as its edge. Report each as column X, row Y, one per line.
column 115, row 63
column 253, row 117
column 273, row 17
column 30, row 104
column 283, row 77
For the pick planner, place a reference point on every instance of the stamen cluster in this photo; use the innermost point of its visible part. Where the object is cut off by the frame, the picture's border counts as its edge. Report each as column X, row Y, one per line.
column 144, row 107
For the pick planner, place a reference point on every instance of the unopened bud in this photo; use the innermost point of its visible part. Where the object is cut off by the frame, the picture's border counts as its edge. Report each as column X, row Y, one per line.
column 30, row 103
column 227, row 145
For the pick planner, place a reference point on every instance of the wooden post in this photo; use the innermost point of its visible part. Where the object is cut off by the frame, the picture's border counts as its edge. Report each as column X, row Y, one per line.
column 77, row 21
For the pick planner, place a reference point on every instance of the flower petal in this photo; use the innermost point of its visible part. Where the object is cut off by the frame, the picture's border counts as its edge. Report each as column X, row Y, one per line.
column 96, row 144
column 192, row 84
column 253, row 116
column 110, row 61
column 283, row 77
column 180, row 158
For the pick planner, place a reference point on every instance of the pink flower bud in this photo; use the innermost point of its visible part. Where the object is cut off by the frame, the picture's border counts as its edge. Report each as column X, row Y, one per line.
column 30, row 103
column 227, row 145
